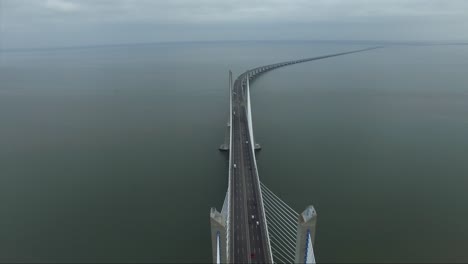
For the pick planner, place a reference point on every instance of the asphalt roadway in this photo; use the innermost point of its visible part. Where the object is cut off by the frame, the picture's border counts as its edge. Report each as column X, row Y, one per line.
column 249, row 239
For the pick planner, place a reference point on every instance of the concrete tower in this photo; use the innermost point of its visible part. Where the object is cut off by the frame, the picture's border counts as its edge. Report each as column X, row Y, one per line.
column 218, row 236
column 306, row 226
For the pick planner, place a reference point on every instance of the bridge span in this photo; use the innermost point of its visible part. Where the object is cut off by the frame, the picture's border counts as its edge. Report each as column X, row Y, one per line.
column 254, row 225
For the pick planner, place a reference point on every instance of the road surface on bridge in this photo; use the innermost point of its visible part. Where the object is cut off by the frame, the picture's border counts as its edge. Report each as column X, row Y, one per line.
column 250, row 243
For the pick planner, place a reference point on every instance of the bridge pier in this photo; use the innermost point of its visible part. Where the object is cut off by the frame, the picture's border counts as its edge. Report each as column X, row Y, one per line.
column 227, row 138
column 227, row 133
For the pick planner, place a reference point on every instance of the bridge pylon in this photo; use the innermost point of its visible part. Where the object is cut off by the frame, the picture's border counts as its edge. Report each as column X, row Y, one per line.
column 307, row 222
column 218, row 236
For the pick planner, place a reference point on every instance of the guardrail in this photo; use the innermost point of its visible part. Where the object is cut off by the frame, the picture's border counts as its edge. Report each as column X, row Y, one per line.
column 252, row 146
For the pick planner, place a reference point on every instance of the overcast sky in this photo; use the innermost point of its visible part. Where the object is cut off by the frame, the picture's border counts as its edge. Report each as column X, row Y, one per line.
column 43, row 23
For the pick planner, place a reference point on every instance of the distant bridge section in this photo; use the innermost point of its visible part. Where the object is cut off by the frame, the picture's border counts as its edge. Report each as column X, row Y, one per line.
column 253, row 73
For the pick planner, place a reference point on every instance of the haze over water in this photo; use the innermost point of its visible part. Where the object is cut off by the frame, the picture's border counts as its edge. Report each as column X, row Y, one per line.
column 110, row 153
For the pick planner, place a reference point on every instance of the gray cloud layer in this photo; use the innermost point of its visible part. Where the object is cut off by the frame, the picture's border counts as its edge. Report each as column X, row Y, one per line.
column 25, row 23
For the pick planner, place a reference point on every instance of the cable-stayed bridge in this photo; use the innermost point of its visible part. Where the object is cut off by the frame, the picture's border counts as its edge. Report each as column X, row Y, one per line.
column 255, row 225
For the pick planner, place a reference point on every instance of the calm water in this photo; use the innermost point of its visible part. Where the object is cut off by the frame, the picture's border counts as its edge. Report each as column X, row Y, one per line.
column 110, row 154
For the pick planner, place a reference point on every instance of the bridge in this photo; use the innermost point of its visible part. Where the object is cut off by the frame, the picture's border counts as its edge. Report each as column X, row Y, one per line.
column 255, row 225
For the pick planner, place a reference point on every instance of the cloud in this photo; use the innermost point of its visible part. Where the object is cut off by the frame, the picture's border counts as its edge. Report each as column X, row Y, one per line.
column 61, row 5
column 206, row 11
column 243, row 11
column 69, row 22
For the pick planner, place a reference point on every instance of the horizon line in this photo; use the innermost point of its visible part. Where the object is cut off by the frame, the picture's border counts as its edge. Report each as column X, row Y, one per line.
column 343, row 41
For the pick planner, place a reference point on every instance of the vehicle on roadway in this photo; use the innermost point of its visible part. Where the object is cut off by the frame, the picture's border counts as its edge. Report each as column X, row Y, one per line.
column 235, row 166
column 258, row 223
column 253, row 216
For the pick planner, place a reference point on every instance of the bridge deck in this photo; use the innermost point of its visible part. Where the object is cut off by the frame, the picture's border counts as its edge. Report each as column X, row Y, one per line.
column 249, row 239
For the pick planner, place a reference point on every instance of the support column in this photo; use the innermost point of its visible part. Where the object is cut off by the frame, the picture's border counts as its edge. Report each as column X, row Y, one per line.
column 227, row 133
column 227, row 138
column 306, row 227
column 218, row 236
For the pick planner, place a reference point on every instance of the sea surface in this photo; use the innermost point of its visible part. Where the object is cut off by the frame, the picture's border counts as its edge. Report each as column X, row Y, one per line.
column 110, row 154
